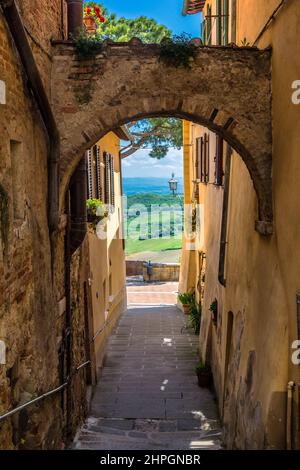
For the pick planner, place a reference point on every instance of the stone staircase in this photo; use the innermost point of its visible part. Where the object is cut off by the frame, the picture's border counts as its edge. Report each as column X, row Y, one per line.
column 148, row 397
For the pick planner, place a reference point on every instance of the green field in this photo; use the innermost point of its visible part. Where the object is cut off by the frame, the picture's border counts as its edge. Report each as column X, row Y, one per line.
column 155, row 225
column 154, row 244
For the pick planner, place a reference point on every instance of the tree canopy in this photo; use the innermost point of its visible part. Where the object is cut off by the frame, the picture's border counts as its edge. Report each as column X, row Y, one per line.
column 123, row 29
column 159, row 134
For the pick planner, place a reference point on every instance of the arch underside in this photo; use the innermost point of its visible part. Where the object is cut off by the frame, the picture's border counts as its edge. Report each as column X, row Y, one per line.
column 235, row 105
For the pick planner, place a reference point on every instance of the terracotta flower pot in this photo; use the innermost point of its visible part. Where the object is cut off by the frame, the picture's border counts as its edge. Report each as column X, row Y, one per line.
column 186, row 309
column 204, row 378
column 90, row 24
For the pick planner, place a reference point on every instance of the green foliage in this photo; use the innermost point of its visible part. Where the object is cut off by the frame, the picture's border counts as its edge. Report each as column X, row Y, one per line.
column 158, row 133
column 96, row 211
column 150, row 199
column 195, row 316
column 123, row 29
column 178, row 51
column 186, row 298
column 4, row 219
column 88, row 45
column 202, row 367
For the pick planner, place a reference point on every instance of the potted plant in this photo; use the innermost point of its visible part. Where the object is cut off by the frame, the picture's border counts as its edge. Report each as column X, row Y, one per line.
column 90, row 18
column 186, row 300
column 96, row 212
column 214, row 311
column 195, row 316
column 204, row 374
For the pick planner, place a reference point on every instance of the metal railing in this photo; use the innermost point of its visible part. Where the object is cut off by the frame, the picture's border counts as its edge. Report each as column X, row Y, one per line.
column 19, row 408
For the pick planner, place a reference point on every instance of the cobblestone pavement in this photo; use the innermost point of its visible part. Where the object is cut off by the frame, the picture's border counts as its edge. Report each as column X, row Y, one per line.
column 155, row 293
column 148, row 397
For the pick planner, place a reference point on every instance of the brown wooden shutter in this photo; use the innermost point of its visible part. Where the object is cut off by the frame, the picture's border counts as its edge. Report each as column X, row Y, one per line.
column 198, row 159
column 206, row 137
column 112, row 182
column 89, row 174
column 106, row 177
column 202, row 170
column 98, row 173
column 219, row 173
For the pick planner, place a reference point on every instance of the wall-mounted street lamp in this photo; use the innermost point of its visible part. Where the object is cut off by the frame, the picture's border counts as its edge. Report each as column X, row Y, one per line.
column 173, row 184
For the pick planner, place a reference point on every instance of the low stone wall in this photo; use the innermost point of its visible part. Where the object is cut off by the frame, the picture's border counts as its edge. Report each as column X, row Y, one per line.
column 134, row 268
column 161, row 272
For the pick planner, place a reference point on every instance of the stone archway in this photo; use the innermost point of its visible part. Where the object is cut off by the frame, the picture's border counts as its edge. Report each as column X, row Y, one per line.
column 227, row 89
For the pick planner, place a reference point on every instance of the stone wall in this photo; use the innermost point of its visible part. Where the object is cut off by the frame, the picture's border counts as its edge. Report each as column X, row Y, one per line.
column 32, row 294
column 27, row 307
column 128, row 81
column 134, row 268
column 168, row 272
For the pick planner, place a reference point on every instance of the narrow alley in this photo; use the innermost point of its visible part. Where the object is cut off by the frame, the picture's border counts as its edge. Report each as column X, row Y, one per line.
column 147, row 396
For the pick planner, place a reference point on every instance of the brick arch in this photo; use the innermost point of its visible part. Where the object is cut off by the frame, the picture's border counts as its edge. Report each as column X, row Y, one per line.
column 228, row 90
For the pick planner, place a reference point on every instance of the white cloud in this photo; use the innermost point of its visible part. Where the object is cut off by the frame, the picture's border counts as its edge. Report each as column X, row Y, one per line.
column 141, row 165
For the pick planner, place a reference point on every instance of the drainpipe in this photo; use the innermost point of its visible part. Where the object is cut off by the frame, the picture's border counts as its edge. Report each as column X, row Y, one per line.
column 35, row 83
column 78, row 197
column 75, row 17
column 223, row 240
column 289, row 421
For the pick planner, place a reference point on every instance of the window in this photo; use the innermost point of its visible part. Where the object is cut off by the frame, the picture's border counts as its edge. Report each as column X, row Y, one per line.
column 219, row 173
column 225, row 13
column 198, row 159
column 207, row 27
column 204, row 158
column 94, row 180
column 106, row 178
column 89, row 174
column 97, row 158
column 17, row 167
column 219, row 22
column 233, row 21
column 112, row 182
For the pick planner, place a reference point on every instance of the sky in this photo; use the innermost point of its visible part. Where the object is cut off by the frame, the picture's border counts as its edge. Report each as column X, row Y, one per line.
column 140, row 164
column 168, row 13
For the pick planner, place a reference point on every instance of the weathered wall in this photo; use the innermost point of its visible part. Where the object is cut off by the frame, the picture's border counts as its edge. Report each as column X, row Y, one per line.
column 95, row 100
column 250, row 347
column 27, row 307
column 165, row 272
column 107, row 263
column 32, row 300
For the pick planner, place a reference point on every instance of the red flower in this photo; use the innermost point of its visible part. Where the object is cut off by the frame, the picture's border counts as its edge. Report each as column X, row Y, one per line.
column 102, row 19
column 88, row 11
